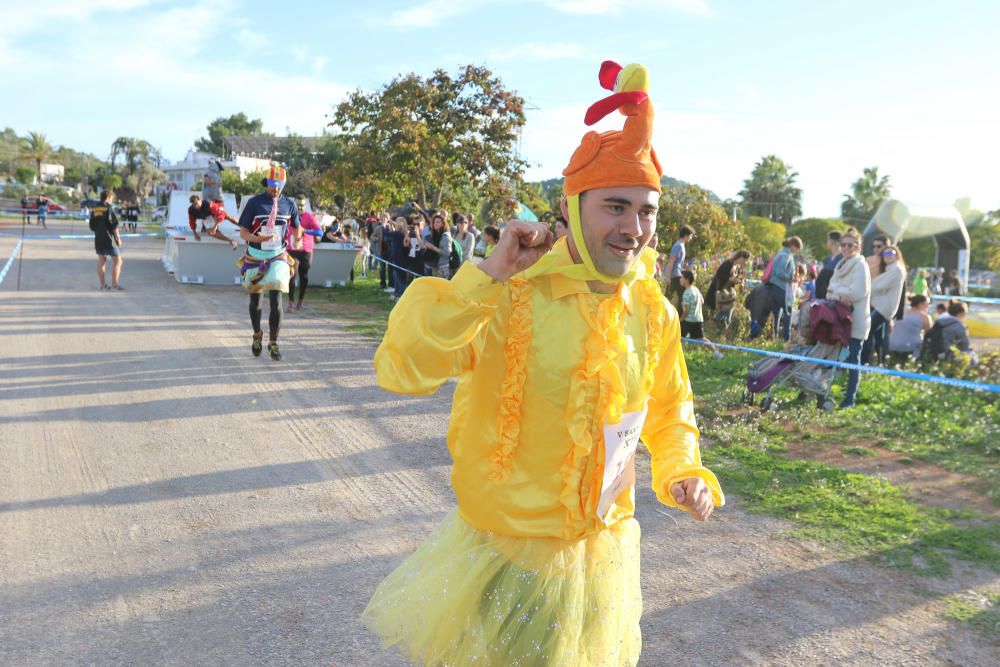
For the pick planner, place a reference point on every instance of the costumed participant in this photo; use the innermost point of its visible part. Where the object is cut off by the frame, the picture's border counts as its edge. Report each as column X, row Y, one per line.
column 267, row 266
column 564, row 358
column 211, row 215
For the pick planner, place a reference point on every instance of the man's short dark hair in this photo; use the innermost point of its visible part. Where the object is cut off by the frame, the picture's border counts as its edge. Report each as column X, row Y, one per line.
column 833, row 236
column 106, row 195
column 686, row 231
column 881, row 238
column 688, row 275
column 492, row 232
column 194, row 198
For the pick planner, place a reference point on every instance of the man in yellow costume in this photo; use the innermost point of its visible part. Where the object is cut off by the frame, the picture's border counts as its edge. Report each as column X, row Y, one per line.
column 565, row 354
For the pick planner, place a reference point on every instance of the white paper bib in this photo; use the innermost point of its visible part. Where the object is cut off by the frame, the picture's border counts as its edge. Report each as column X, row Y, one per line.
column 274, row 243
column 620, row 443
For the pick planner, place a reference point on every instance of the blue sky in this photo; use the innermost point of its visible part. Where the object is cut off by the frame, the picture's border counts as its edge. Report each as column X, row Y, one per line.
column 831, row 87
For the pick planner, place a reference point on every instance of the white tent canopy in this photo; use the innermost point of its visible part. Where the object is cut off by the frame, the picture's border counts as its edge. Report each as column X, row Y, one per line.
column 902, row 221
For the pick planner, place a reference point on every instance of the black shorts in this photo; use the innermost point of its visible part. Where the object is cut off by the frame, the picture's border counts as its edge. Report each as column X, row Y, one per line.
column 692, row 330
column 108, row 251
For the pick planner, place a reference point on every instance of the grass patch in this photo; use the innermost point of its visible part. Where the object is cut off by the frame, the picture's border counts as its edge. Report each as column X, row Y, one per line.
column 980, row 610
column 860, row 514
column 362, row 303
column 955, row 428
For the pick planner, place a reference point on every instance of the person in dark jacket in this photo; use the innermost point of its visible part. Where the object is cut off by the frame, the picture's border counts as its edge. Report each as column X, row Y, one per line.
column 727, row 273
column 758, row 304
column 948, row 334
column 829, row 264
column 107, row 240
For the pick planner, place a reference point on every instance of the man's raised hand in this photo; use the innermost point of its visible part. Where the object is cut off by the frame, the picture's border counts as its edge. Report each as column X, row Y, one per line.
column 522, row 243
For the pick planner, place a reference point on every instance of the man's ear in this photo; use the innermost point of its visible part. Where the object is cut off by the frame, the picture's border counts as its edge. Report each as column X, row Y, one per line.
column 564, row 209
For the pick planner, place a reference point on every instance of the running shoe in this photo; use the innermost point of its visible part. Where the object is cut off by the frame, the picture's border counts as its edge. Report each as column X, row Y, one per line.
column 272, row 349
column 257, row 346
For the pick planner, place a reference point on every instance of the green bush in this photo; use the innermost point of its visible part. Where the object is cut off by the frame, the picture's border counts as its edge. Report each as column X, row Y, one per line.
column 764, row 236
column 24, row 175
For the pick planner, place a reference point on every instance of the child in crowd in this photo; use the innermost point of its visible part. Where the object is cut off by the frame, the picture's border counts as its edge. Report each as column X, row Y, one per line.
column 692, row 320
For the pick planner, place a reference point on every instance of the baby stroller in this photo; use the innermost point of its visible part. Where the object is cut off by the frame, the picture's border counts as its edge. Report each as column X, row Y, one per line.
column 821, row 330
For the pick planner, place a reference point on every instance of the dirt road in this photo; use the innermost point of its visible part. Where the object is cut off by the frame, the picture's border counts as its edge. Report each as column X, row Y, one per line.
column 167, row 499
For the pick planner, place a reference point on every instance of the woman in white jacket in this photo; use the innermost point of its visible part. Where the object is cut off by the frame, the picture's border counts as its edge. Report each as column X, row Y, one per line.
column 887, row 294
column 851, row 284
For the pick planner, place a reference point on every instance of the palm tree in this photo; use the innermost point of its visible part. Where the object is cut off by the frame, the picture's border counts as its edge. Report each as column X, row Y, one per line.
column 771, row 192
column 867, row 194
column 35, row 147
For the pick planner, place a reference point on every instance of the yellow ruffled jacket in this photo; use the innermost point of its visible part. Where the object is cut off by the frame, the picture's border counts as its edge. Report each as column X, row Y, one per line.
column 542, row 366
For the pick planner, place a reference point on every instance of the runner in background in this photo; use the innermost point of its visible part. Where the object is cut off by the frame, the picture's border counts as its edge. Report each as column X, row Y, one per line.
column 302, row 251
column 107, row 240
column 43, row 211
column 267, row 267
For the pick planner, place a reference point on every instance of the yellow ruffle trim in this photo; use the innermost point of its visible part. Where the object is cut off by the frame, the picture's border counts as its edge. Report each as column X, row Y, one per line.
column 512, row 391
column 597, row 385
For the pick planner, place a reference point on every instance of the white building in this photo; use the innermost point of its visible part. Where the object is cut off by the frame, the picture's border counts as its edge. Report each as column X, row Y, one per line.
column 53, row 173
column 187, row 173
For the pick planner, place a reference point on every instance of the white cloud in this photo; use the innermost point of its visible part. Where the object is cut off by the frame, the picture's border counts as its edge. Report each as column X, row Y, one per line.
column 427, row 14
column 600, row 7
column 29, row 15
column 432, row 13
column 535, row 51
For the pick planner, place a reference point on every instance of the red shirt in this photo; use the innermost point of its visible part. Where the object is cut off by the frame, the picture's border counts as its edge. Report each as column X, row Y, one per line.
column 207, row 209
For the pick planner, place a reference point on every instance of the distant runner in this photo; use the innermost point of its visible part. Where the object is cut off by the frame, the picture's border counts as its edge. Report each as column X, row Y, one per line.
column 107, row 240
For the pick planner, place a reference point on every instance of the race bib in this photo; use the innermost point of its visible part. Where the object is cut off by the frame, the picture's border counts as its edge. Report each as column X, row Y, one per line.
column 620, row 443
column 274, row 243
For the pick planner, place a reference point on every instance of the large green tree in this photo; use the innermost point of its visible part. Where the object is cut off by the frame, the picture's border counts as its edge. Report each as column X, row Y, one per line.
column 430, row 138
column 715, row 233
column 133, row 153
column 236, row 125
column 867, row 194
column 140, row 172
column 771, row 192
column 36, row 148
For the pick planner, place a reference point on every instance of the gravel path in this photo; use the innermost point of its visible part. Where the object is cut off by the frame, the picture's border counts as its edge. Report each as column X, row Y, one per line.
column 167, row 499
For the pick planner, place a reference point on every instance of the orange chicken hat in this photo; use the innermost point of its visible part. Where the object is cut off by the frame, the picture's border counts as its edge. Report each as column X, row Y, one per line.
column 606, row 160
column 617, row 158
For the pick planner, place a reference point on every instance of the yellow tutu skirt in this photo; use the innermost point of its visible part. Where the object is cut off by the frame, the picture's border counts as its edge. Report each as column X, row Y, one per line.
column 467, row 597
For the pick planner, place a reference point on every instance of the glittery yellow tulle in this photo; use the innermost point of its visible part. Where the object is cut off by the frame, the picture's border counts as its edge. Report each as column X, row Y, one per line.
column 467, row 597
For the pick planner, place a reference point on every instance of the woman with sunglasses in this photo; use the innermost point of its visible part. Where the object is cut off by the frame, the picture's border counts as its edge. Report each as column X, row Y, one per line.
column 851, row 284
column 887, row 291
